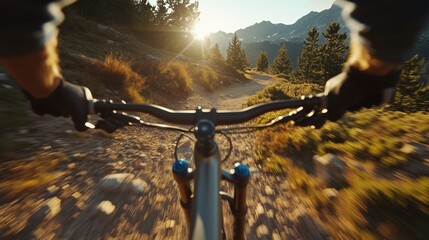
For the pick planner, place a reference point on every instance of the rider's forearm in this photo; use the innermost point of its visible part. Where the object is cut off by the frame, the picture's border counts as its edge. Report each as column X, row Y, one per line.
column 36, row 72
column 362, row 59
column 386, row 29
column 28, row 43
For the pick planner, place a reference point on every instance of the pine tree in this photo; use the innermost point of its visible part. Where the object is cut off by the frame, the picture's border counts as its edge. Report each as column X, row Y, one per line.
column 309, row 60
column 262, row 62
column 215, row 55
column 411, row 94
column 282, row 63
column 243, row 59
column 121, row 11
column 333, row 52
column 161, row 14
column 235, row 55
column 144, row 13
column 182, row 14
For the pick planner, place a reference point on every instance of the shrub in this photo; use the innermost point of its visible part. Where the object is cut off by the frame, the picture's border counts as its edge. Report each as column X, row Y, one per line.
column 369, row 135
column 171, row 78
column 385, row 209
column 116, row 73
column 281, row 90
column 229, row 73
column 207, row 77
column 284, row 90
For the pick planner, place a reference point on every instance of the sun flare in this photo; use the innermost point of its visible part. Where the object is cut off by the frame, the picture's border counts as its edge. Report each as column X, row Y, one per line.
column 200, row 31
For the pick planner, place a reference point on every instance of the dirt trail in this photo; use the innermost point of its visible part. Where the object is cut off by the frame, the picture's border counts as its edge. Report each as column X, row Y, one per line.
column 231, row 97
column 76, row 205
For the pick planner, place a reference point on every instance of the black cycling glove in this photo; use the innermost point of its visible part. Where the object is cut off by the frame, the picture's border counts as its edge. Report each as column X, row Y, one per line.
column 67, row 100
column 352, row 89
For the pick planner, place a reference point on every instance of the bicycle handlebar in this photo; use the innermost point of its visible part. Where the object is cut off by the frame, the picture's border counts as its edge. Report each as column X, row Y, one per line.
column 221, row 117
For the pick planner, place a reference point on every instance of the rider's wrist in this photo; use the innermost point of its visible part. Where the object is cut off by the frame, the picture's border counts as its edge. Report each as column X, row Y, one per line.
column 363, row 60
column 373, row 82
column 45, row 90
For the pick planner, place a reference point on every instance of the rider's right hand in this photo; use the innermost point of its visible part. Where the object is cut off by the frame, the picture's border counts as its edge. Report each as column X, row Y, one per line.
column 68, row 100
column 352, row 90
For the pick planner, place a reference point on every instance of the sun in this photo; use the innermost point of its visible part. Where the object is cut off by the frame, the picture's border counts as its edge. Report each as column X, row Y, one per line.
column 200, row 31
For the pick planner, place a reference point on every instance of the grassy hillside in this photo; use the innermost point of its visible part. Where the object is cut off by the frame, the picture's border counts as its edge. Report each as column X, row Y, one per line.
column 115, row 59
column 114, row 63
column 386, row 153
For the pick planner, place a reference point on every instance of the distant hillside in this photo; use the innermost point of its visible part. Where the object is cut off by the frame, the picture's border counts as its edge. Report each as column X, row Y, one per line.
column 268, row 36
column 268, row 32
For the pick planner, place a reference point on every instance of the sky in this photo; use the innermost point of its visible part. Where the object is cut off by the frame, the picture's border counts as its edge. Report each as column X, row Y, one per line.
column 232, row 15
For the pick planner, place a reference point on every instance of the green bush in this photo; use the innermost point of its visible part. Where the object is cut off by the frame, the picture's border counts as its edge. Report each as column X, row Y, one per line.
column 207, row 77
column 385, row 209
column 370, row 135
column 172, row 79
column 229, row 73
column 284, row 90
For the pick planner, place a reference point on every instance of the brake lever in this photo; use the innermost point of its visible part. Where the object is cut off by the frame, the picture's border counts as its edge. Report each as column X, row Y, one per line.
column 107, row 126
column 114, row 120
column 314, row 117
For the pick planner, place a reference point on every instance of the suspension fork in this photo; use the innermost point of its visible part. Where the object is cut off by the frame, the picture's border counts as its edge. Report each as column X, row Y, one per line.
column 239, row 177
column 183, row 176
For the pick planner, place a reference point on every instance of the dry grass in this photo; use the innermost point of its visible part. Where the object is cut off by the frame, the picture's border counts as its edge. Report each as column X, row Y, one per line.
column 382, row 209
column 36, row 174
column 111, row 78
column 368, row 208
column 228, row 73
column 386, row 207
column 171, row 79
column 121, row 73
column 207, row 77
column 116, row 74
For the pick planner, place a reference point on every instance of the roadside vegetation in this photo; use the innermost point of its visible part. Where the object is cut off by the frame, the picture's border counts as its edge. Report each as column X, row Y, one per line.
column 386, row 190
column 386, row 154
column 115, row 51
column 114, row 62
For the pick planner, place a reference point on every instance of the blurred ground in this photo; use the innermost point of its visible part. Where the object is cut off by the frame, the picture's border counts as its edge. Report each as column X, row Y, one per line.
column 60, row 184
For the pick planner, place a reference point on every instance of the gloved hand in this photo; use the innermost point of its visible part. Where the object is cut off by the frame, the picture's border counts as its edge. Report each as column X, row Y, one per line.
column 67, row 100
column 352, row 90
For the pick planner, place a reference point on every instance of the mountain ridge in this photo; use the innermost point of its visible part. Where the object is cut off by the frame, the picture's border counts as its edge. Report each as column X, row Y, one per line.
column 265, row 34
column 277, row 32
